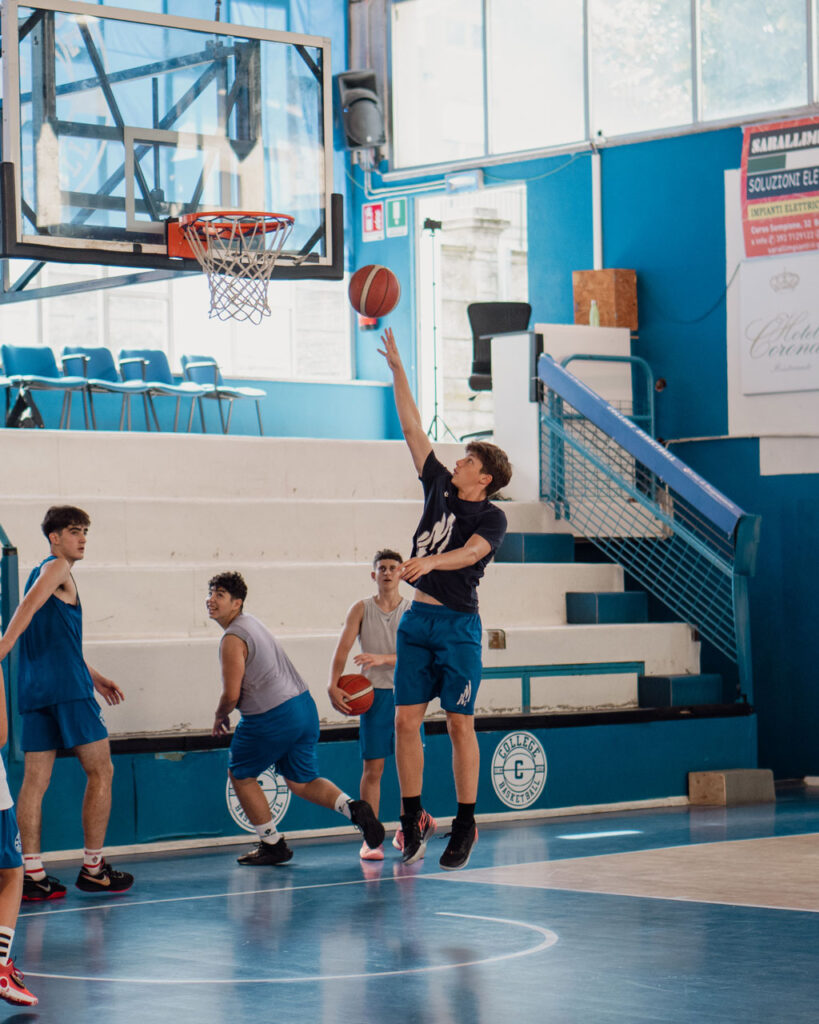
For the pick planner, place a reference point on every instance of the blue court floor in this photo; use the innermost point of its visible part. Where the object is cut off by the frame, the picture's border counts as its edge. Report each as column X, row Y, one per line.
column 720, row 923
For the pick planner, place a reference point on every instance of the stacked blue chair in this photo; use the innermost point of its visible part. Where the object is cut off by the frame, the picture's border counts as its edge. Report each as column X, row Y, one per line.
column 34, row 368
column 204, row 370
column 151, row 367
column 98, row 367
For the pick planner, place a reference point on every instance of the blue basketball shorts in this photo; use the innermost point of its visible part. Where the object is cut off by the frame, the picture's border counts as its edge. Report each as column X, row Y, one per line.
column 439, row 655
column 63, row 726
column 376, row 729
column 11, row 849
column 286, row 736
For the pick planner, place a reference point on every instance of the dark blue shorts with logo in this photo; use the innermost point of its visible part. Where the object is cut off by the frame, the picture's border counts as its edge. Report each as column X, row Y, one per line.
column 438, row 655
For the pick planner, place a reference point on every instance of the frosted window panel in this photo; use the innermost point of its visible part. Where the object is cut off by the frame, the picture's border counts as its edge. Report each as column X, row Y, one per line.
column 535, row 74
column 437, row 78
column 753, row 56
column 640, row 65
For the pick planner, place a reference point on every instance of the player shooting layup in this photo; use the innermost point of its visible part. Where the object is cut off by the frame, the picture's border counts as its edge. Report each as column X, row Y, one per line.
column 439, row 638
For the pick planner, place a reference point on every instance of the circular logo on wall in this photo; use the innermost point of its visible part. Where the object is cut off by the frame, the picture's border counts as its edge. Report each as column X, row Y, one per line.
column 519, row 769
column 274, row 788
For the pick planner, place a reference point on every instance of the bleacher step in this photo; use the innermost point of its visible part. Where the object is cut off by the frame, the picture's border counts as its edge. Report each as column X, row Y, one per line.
column 628, row 606
column 679, row 691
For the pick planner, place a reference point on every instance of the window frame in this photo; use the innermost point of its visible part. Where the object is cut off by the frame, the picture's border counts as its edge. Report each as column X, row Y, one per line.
column 696, row 124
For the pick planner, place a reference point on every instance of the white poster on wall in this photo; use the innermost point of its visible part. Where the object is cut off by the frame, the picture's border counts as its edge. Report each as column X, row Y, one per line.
column 779, row 325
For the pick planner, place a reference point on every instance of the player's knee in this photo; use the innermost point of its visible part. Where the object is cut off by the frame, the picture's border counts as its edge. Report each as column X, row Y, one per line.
column 460, row 727
column 407, row 721
column 373, row 770
column 101, row 771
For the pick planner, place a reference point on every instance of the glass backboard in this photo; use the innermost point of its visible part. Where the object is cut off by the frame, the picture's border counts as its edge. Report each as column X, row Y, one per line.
column 115, row 121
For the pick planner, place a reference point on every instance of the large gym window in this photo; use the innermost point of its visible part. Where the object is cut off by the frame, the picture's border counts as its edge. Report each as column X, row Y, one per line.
column 487, row 78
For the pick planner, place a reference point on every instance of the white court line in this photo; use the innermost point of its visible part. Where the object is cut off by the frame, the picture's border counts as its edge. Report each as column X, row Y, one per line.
column 549, row 938
column 209, row 896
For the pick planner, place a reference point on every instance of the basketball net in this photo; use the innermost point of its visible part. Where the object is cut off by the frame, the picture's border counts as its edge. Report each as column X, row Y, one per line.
column 238, row 252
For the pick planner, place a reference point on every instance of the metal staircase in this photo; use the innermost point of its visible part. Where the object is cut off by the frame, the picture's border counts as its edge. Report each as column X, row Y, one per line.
column 678, row 536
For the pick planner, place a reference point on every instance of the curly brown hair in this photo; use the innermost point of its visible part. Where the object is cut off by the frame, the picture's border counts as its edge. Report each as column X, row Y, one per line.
column 232, row 583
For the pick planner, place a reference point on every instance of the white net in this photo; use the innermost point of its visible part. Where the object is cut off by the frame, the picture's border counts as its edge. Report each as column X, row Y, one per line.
column 238, row 252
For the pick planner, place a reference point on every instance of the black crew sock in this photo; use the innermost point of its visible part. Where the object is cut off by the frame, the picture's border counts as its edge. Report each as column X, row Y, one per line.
column 466, row 814
column 412, row 805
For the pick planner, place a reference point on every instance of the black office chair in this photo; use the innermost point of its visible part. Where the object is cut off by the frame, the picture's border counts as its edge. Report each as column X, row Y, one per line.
column 488, row 319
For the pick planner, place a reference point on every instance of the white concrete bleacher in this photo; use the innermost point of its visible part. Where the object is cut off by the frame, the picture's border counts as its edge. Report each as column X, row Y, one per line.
column 301, row 520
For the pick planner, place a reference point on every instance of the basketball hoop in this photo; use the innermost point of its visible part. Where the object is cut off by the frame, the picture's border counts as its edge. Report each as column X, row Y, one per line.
column 238, row 251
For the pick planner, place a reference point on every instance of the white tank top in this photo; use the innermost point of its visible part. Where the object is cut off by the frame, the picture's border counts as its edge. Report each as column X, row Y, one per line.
column 377, row 636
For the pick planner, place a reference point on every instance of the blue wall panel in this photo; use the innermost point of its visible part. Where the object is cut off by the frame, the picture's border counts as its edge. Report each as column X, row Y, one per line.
column 664, row 216
column 160, row 797
column 782, row 598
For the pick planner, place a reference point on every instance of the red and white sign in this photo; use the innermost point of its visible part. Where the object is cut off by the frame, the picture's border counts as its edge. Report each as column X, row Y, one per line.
column 780, row 187
column 372, row 222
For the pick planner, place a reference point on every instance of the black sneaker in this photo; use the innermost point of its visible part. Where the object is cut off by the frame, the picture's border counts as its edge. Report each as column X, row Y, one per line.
column 267, row 853
column 459, row 848
column 418, row 829
column 364, row 819
column 106, row 880
column 36, row 890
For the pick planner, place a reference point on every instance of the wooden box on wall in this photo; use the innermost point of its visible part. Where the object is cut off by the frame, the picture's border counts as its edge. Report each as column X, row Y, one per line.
column 615, row 291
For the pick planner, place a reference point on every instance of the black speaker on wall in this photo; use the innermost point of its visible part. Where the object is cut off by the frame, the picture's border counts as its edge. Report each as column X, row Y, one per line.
column 360, row 112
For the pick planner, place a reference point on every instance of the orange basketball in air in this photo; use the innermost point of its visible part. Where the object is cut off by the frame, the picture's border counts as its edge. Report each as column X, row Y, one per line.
column 374, row 291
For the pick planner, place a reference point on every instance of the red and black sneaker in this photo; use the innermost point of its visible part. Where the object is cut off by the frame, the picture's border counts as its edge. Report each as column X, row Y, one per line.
column 35, row 890
column 106, row 879
column 12, row 988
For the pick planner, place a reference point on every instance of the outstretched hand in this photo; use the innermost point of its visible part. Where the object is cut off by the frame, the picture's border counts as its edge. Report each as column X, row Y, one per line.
column 390, row 350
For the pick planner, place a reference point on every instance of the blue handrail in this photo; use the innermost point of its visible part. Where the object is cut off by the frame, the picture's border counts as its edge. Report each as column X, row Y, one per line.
column 678, row 536
column 646, row 418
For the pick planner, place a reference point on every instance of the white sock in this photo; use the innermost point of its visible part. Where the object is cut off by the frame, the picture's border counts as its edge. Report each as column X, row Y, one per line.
column 342, row 805
column 267, row 832
column 6, row 935
column 33, row 866
column 92, row 861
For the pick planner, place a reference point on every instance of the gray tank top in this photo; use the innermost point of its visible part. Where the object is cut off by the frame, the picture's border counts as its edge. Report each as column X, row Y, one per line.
column 377, row 636
column 270, row 677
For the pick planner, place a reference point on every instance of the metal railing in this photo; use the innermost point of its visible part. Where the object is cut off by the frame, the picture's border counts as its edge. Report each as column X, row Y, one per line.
column 9, row 599
column 675, row 534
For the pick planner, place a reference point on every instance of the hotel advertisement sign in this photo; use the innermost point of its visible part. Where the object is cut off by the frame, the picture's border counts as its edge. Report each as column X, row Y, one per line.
column 779, row 325
column 780, row 187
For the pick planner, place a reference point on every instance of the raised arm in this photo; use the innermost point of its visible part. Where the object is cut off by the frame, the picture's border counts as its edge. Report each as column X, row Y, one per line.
column 53, row 575
column 352, row 627
column 233, row 656
column 408, row 415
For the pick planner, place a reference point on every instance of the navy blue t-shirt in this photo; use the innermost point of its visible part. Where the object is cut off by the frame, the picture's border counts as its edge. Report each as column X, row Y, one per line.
column 447, row 523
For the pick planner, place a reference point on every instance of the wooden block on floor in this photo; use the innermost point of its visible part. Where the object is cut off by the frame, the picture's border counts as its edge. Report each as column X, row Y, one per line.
column 731, row 786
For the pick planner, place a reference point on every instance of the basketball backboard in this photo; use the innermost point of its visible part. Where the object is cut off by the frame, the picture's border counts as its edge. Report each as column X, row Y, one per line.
column 115, row 121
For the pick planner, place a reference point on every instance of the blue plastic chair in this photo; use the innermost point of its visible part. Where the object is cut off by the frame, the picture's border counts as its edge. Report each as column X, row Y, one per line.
column 100, row 370
column 150, row 366
column 204, row 370
column 34, row 368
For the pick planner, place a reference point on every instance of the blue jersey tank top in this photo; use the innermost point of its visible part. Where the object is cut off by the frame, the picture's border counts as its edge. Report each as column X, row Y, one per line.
column 52, row 667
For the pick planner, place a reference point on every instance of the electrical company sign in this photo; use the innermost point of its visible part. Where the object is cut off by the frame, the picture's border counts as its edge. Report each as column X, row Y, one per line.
column 780, row 187
column 779, row 325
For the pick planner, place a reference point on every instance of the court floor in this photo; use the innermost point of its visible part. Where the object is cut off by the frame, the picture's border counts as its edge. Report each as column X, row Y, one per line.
column 675, row 916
